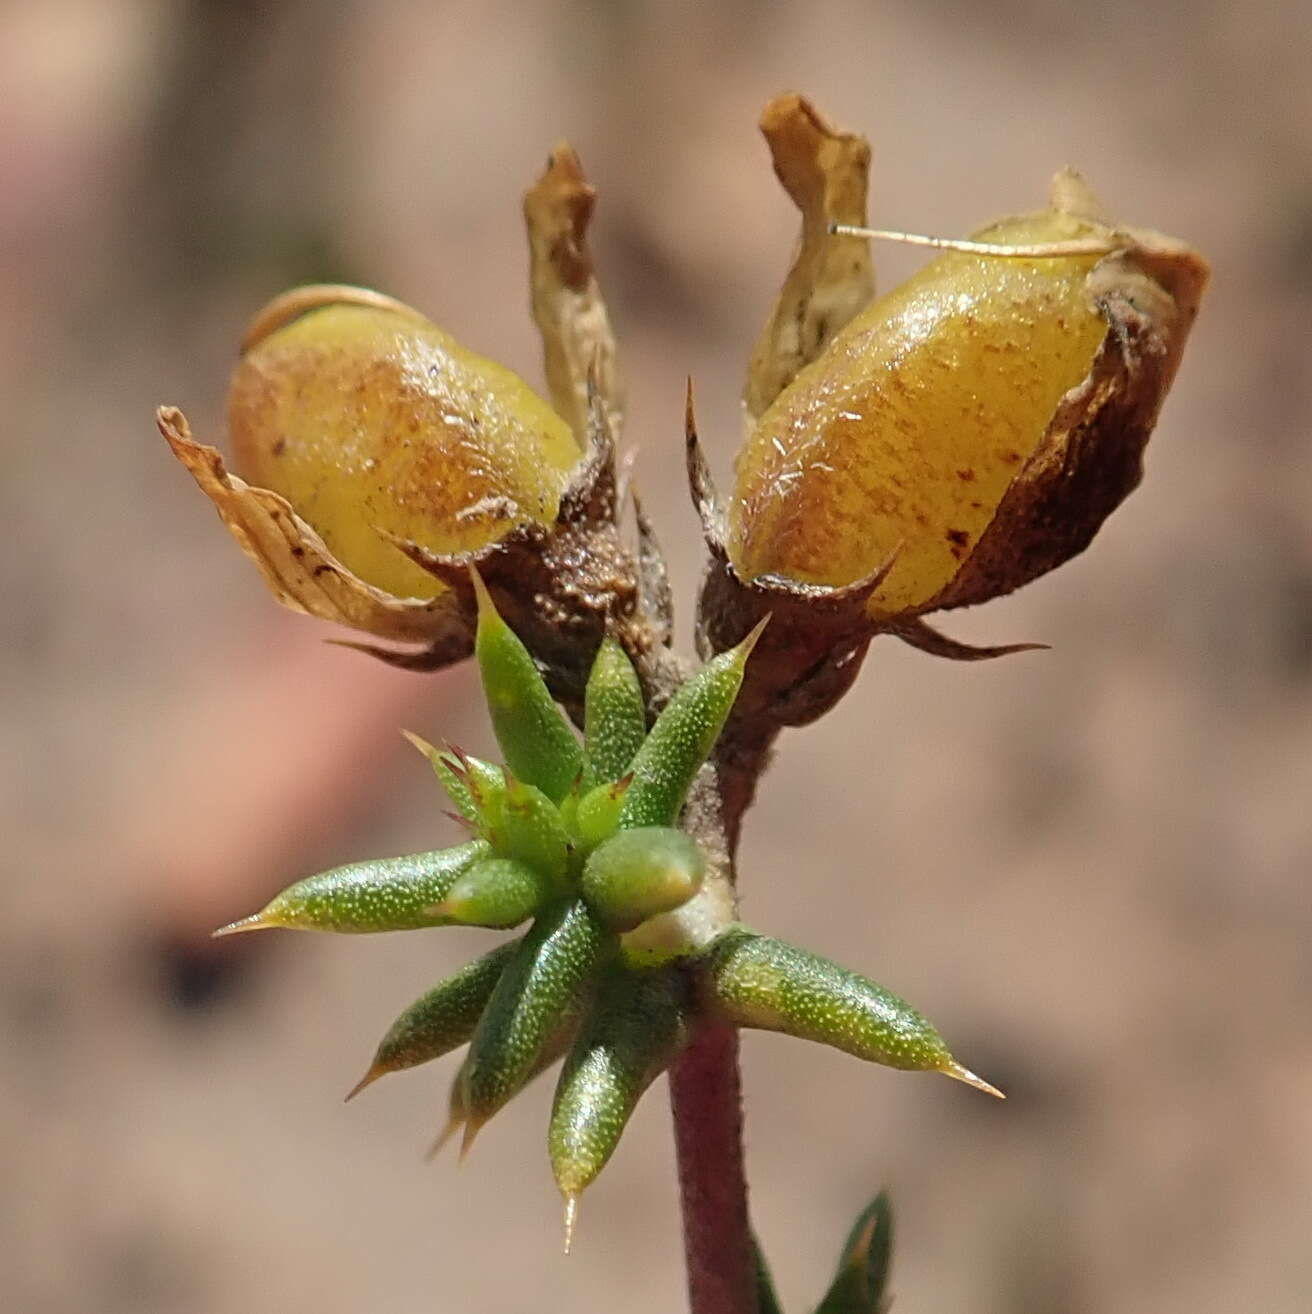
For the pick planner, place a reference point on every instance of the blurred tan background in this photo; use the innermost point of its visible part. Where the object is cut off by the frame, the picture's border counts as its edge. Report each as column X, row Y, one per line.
column 1089, row 866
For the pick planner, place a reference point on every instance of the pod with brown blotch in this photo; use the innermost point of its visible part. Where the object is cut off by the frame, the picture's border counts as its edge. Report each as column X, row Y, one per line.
column 614, row 717
column 756, row 981
column 535, row 833
column 538, row 743
column 637, row 1024
column 497, row 893
column 981, row 420
column 543, row 983
column 392, row 894
column 640, row 873
column 439, row 1021
column 682, row 738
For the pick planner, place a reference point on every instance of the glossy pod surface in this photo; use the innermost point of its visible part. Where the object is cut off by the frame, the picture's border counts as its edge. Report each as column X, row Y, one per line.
column 908, row 430
column 369, row 417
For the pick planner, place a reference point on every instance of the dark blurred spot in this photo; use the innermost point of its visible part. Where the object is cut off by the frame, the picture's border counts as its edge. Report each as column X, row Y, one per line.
column 196, row 977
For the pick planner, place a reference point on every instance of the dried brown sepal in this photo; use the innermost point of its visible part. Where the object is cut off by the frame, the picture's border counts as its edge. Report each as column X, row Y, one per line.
column 300, row 570
column 656, row 600
column 568, row 306
column 1091, row 457
column 826, row 173
column 807, row 657
column 561, row 589
column 593, row 494
column 918, row 634
column 701, row 484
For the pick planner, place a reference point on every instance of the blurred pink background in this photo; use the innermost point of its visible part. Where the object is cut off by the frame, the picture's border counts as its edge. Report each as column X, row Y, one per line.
column 1089, row 866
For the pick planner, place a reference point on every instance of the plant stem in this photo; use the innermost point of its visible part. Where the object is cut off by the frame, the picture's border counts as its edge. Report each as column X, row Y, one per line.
column 706, row 1100
column 705, row 1083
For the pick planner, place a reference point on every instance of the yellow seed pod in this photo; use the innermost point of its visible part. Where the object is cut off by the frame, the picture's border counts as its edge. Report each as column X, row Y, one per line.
column 367, row 417
column 959, row 409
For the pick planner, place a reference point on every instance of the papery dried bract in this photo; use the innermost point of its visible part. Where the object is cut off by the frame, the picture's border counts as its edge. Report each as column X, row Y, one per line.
column 826, row 173
column 299, row 568
column 578, row 348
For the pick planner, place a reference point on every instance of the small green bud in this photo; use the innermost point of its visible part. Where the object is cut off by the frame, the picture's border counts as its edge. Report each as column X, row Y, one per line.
column 682, row 737
column 634, row 1030
column 535, row 833
column 639, row 873
column 441, row 1020
column 598, row 813
column 538, row 744
column 756, row 981
column 614, row 719
column 541, row 986
column 392, row 894
column 496, row 892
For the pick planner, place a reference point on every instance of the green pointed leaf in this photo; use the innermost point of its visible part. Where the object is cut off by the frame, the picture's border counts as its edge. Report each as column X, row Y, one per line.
column 535, row 833
column 861, row 1283
column 636, row 1026
column 558, row 1044
column 757, row 981
column 439, row 1021
column 391, row 894
column 535, row 738
column 640, row 873
column 614, row 716
column 543, row 984
column 497, row 893
column 682, row 737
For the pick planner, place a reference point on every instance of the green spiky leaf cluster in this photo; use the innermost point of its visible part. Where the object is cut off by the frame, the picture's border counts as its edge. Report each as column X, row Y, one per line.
column 581, row 841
